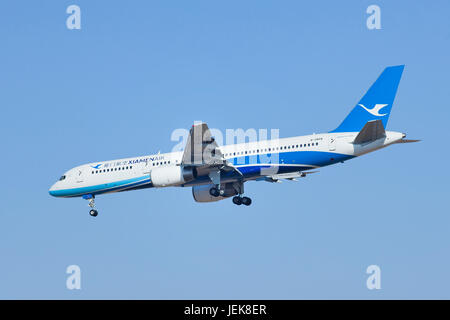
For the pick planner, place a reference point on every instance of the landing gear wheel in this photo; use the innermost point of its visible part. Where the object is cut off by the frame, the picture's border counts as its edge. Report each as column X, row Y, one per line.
column 237, row 200
column 93, row 212
column 246, row 201
column 214, row 192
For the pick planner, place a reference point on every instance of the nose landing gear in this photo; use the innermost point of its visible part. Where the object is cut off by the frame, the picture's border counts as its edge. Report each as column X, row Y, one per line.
column 91, row 199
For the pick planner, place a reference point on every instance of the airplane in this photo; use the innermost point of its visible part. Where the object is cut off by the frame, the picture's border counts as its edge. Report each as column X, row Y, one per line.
column 218, row 172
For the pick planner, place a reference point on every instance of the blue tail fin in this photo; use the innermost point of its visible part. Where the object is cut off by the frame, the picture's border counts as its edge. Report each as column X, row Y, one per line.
column 376, row 103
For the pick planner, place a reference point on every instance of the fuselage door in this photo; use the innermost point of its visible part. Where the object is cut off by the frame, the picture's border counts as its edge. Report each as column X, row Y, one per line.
column 332, row 144
column 79, row 175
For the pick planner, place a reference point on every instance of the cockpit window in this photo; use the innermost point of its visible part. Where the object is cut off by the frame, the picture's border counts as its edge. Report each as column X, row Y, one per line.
column 62, row 178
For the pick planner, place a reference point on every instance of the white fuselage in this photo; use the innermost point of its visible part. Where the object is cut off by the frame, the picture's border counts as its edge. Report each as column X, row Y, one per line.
column 285, row 155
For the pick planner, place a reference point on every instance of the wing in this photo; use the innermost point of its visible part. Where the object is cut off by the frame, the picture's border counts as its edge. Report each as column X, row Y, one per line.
column 201, row 148
column 203, row 153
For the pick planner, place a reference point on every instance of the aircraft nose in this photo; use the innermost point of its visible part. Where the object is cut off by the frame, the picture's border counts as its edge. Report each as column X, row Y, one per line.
column 52, row 190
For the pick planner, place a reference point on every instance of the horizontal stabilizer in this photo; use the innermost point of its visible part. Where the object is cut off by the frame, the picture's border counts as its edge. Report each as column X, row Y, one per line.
column 407, row 141
column 373, row 130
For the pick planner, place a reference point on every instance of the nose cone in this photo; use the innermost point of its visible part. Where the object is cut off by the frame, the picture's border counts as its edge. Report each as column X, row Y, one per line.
column 52, row 190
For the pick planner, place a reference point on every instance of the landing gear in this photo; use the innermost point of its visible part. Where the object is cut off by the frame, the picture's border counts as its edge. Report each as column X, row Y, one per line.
column 216, row 192
column 246, row 201
column 237, row 187
column 91, row 199
column 238, row 200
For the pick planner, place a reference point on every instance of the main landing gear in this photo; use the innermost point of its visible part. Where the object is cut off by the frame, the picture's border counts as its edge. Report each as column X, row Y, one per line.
column 238, row 200
column 91, row 199
column 216, row 192
column 231, row 189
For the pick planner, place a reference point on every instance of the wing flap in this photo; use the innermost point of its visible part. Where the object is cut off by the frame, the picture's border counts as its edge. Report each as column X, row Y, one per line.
column 288, row 176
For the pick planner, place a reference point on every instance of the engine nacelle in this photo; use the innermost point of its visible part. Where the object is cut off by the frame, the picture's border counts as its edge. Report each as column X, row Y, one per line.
column 201, row 193
column 172, row 176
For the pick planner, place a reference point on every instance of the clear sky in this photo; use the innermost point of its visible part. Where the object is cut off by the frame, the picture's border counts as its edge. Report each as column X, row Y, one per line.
column 138, row 70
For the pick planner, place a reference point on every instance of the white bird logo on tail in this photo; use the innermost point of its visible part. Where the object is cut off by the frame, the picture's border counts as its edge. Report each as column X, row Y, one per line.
column 375, row 110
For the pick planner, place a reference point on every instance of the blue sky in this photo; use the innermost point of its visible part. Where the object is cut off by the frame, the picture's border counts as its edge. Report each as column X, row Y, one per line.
column 135, row 72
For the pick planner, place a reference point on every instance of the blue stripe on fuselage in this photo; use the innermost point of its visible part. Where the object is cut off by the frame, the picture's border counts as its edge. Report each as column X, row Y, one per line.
column 101, row 188
column 250, row 166
column 312, row 158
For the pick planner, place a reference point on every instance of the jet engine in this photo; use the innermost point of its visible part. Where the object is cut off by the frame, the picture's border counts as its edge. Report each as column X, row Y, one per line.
column 201, row 193
column 171, row 176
